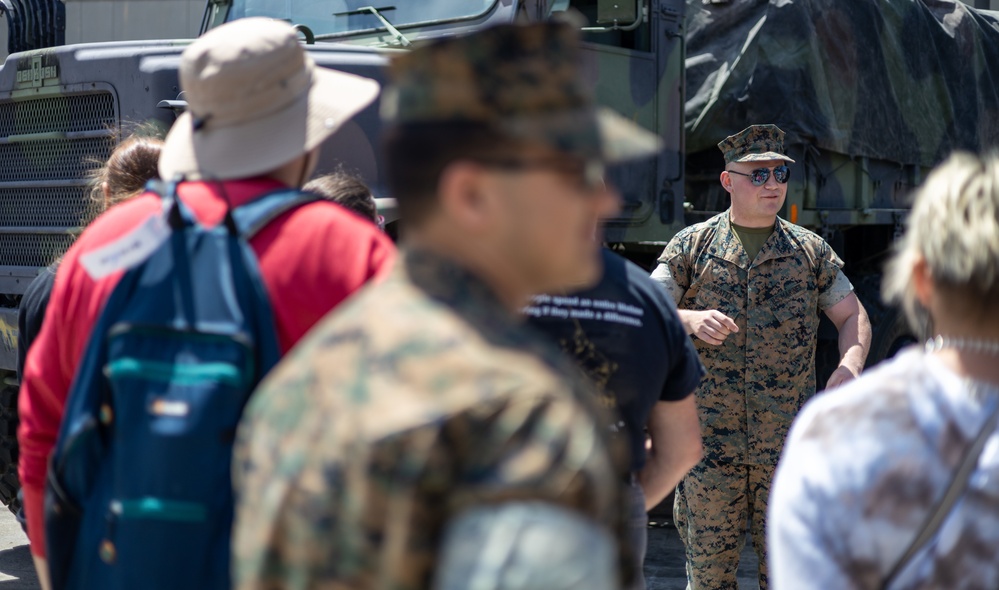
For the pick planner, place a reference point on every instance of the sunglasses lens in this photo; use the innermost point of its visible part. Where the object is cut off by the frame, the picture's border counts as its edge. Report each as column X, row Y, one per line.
column 782, row 174
column 760, row 176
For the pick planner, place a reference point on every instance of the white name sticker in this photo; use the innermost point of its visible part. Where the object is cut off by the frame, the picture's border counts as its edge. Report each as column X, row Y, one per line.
column 173, row 409
column 128, row 250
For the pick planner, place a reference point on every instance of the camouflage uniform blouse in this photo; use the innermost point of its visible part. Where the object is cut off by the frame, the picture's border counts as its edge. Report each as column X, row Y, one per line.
column 862, row 469
column 761, row 375
column 417, row 399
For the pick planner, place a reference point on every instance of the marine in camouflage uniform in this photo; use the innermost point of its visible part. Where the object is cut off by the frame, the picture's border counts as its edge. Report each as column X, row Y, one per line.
column 756, row 321
column 423, row 436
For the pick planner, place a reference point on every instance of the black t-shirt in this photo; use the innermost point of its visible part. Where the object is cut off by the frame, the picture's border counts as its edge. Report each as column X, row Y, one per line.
column 31, row 313
column 627, row 337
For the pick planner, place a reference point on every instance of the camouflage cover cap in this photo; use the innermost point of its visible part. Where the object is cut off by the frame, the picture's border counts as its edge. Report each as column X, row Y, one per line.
column 523, row 79
column 756, row 143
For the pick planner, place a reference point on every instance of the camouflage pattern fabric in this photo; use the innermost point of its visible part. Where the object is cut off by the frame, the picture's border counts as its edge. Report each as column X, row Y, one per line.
column 419, row 399
column 756, row 143
column 757, row 380
column 483, row 77
column 523, row 79
column 897, row 80
column 710, row 509
column 863, row 469
column 761, row 375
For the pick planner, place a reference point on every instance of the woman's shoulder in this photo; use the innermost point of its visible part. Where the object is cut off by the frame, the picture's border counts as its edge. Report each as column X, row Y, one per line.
column 891, row 415
column 880, row 398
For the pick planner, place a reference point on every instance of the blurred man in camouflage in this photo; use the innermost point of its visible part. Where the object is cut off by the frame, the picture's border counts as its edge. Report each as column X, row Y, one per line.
column 423, row 437
column 750, row 287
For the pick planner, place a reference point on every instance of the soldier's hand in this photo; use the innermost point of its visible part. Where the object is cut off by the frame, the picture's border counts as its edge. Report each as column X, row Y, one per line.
column 711, row 326
column 840, row 376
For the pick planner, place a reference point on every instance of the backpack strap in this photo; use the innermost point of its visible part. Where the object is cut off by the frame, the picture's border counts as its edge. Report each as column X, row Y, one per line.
column 954, row 491
column 176, row 212
column 249, row 218
column 158, row 187
column 254, row 216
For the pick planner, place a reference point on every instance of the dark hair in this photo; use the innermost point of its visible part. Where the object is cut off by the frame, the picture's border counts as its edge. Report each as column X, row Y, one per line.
column 131, row 165
column 417, row 153
column 346, row 190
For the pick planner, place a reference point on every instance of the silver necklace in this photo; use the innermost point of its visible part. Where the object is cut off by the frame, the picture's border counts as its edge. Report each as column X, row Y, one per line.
column 975, row 345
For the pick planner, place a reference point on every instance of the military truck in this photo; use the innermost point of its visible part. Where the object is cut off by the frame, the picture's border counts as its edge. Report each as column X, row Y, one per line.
column 870, row 93
column 63, row 108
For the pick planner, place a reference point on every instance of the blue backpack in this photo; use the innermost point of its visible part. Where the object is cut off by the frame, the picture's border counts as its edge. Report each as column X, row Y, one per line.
column 139, row 493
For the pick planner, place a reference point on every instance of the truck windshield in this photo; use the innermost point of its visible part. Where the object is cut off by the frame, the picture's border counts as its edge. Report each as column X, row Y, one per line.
column 332, row 18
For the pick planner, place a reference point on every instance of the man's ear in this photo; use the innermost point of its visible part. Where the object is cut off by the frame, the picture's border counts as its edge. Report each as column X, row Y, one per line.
column 463, row 192
column 726, row 180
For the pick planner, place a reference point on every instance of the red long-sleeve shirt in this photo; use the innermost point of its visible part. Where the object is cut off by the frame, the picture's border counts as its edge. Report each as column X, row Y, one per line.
column 311, row 259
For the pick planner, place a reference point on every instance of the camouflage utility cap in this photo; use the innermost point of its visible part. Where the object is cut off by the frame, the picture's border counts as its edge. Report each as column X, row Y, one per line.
column 524, row 80
column 756, row 143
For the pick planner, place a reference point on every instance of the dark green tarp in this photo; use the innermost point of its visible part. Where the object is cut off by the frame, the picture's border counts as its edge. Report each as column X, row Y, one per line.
column 902, row 80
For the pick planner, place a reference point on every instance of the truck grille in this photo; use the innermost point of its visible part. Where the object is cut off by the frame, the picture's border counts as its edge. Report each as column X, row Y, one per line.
column 81, row 112
column 56, row 159
column 49, row 147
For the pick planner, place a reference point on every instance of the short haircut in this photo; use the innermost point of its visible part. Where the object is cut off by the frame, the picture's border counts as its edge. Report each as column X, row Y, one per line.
column 417, row 153
column 954, row 226
column 347, row 191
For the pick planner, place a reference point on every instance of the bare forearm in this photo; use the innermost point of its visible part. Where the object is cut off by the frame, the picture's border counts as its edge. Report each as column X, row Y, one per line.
column 676, row 447
column 852, row 354
column 661, row 474
column 854, row 328
column 855, row 341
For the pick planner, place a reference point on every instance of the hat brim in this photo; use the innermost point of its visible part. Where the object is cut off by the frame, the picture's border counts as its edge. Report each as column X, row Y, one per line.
column 266, row 143
column 621, row 140
column 764, row 157
column 599, row 134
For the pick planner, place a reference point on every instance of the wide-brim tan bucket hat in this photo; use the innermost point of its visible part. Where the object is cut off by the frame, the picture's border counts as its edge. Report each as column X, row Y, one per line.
column 256, row 101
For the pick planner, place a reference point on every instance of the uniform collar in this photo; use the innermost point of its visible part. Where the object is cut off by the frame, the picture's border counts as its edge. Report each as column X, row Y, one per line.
column 727, row 246
column 453, row 285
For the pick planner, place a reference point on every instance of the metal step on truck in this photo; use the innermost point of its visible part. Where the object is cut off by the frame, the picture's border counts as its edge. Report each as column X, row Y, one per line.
column 871, row 94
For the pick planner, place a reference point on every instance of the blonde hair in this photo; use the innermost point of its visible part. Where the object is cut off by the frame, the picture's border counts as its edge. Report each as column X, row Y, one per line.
column 954, row 226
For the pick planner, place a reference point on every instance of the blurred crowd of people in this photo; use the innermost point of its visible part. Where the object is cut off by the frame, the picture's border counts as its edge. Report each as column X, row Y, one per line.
column 498, row 402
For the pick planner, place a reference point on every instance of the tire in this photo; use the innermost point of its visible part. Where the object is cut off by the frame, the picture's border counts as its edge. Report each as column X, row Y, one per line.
column 9, row 482
column 891, row 335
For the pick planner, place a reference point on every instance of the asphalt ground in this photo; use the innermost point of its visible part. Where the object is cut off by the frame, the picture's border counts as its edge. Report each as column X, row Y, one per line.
column 17, row 572
column 664, row 562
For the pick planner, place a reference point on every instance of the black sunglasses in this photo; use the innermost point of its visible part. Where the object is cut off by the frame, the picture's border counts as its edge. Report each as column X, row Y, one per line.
column 761, row 175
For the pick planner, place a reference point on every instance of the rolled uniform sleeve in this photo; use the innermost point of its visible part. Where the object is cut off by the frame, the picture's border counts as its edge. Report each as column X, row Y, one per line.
column 673, row 272
column 833, row 286
column 837, row 291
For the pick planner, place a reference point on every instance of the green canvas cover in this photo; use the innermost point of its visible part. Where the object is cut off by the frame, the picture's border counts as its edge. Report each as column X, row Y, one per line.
column 907, row 81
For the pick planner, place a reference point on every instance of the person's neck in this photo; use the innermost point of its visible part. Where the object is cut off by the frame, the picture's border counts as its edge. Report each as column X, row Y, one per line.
column 752, row 223
column 493, row 270
column 969, row 348
column 293, row 174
